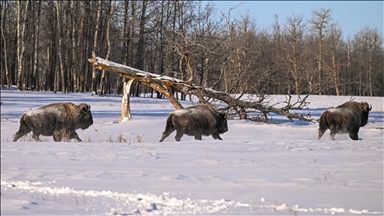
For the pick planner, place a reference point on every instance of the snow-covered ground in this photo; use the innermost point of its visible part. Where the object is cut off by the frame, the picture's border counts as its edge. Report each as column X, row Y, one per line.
column 122, row 169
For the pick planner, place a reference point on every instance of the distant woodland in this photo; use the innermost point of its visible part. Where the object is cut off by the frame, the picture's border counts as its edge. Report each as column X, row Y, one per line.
column 45, row 46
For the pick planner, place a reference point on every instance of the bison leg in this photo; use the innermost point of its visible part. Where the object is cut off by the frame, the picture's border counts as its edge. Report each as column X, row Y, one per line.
column 321, row 132
column 23, row 130
column 179, row 134
column 162, row 138
column 166, row 133
column 74, row 135
column 35, row 136
column 20, row 133
column 169, row 128
column 323, row 124
column 198, row 137
column 56, row 138
column 215, row 135
column 353, row 136
column 332, row 134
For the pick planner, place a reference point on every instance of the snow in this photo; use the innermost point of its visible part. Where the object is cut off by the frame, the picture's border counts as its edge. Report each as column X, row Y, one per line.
column 122, row 169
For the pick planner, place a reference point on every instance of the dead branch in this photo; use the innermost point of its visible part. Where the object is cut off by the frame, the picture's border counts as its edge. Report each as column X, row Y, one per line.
column 298, row 105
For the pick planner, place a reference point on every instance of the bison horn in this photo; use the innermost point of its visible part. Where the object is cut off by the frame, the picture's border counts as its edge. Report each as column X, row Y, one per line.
column 370, row 107
column 85, row 107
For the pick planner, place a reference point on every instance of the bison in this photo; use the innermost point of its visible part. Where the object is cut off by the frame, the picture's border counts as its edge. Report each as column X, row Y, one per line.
column 345, row 118
column 60, row 120
column 196, row 121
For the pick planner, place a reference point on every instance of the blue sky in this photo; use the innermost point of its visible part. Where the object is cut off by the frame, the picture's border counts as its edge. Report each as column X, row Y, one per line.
column 351, row 16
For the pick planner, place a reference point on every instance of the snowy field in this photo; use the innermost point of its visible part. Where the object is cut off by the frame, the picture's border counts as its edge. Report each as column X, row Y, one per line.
column 122, row 169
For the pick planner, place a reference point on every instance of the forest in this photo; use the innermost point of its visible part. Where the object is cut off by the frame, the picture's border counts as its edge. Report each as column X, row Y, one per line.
column 46, row 44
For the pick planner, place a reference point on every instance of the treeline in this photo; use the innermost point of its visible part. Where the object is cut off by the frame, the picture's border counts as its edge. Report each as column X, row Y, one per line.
column 46, row 44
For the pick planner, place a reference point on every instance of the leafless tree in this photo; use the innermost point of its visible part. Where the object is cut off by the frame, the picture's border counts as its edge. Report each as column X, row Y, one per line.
column 294, row 30
column 21, row 43
column 321, row 18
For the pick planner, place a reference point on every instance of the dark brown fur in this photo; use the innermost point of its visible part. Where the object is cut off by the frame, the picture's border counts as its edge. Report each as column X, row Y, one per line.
column 345, row 118
column 196, row 121
column 56, row 119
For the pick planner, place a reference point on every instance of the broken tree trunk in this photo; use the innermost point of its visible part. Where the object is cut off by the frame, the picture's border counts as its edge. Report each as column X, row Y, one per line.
column 125, row 102
column 164, row 85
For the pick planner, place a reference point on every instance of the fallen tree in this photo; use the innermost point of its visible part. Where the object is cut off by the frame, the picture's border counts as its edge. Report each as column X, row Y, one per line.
column 165, row 85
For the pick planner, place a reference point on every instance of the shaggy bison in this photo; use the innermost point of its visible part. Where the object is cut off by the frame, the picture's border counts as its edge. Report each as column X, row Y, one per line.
column 60, row 120
column 346, row 118
column 196, row 121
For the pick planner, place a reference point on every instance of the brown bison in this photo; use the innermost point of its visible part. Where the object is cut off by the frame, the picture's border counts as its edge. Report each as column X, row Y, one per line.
column 345, row 118
column 196, row 121
column 60, row 120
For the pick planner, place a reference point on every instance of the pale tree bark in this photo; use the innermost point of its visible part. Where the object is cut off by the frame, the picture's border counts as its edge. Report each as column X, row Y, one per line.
column 36, row 81
column 21, row 44
column 127, row 83
column 75, row 60
column 125, row 104
column 67, row 23
column 85, row 43
column 59, row 48
column 102, row 81
column 190, row 69
column 5, row 59
column 227, row 46
column 165, row 85
column 334, row 36
column 141, row 42
column 93, row 83
column 348, row 64
column 18, row 32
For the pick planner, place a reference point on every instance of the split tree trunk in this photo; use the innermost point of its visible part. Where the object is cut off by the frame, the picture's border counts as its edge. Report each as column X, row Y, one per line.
column 125, row 105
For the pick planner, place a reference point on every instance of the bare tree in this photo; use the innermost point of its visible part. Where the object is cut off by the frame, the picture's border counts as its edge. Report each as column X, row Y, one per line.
column 7, row 74
column 95, row 47
column 21, row 44
column 35, row 81
column 367, row 51
column 334, row 39
column 294, row 35
column 59, row 50
column 321, row 18
column 111, row 9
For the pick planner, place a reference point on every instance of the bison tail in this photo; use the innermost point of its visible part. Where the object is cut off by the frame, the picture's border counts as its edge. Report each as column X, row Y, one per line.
column 169, row 123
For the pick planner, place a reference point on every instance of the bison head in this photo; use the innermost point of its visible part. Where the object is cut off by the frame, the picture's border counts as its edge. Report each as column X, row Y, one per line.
column 84, row 119
column 222, row 125
column 365, row 108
